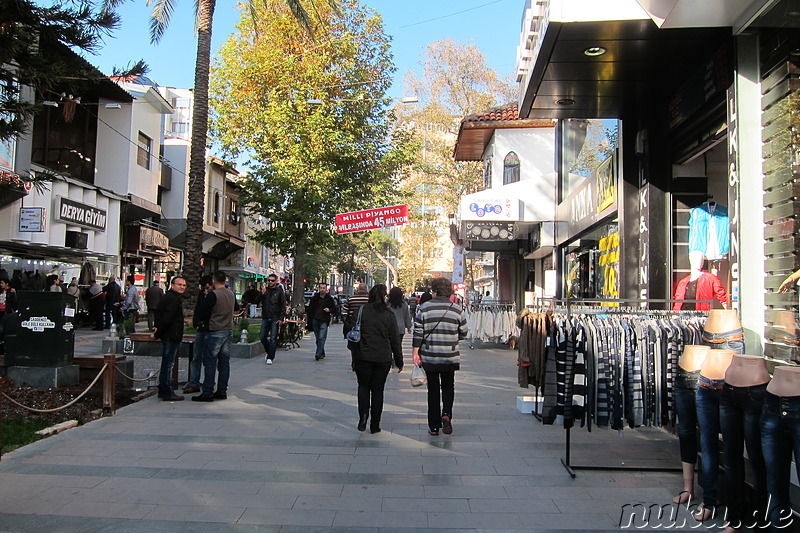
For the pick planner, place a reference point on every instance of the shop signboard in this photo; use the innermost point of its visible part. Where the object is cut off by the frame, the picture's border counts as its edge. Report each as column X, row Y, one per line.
column 78, row 214
column 370, row 219
column 488, row 206
column 32, row 219
column 153, row 241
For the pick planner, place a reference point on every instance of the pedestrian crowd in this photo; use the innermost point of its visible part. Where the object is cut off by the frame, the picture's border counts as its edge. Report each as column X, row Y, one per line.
column 381, row 317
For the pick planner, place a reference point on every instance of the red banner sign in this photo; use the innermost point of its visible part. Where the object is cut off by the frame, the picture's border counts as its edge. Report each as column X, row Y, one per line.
column 370, row 219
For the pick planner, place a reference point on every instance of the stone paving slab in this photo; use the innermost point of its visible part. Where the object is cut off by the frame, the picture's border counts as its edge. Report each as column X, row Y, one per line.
column 282, row 454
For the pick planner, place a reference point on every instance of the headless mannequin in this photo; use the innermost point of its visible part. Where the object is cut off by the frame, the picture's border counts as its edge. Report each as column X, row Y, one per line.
column 785, row 381
column 702, row 290
column 690, row 360
column 722, row 321
column 716, row 364
column 747, row 371
column 693, row 357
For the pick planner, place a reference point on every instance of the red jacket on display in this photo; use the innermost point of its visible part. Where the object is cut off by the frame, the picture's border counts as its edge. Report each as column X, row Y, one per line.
column 708, row 285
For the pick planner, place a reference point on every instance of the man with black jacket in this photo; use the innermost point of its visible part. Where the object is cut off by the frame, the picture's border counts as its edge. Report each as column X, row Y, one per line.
column 273, row 311
column 169, row 328
column 319, row 317
column 112, row 290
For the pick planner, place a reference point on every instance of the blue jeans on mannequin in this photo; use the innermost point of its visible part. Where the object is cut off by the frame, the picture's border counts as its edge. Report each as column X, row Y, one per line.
column 708, row 393
column 217, row 357
column 780, row 440
column 269, row 335
column 321, row 333
column 437, row 408
column 686, row 409
column 740, row 423
column 730, row 340
column 165, row 389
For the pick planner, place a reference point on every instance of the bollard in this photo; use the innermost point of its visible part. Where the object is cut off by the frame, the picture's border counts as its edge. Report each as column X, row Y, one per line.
column 110, row 384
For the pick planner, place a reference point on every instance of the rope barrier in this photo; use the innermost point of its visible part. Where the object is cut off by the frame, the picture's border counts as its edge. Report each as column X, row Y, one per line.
column 148, row 378
column 12, row 400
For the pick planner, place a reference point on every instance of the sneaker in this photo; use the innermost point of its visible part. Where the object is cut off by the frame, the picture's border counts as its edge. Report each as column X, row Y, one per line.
column 269, row 361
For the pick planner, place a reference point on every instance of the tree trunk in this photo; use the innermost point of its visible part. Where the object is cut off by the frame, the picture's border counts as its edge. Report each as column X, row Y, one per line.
column 197, row 157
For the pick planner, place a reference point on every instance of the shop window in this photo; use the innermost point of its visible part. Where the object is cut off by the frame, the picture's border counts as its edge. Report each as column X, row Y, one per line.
column 215, row 213
column 143, row 154
column 591, row 264
column 510, row 168
column 234, row 213
column 487, row 173
column 588, row 147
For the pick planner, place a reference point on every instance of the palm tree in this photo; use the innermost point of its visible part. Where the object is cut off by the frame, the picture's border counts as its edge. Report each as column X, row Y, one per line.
column 159, row 21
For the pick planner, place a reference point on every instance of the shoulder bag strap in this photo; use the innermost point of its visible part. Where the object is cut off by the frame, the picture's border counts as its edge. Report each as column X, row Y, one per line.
column 437, row 324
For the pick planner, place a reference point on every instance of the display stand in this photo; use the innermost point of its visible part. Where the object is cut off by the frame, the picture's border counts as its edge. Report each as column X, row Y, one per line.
column 633, row 307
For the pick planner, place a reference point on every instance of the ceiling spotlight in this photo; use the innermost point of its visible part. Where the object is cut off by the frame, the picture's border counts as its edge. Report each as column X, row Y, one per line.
column 594, row 51
column 565, row 101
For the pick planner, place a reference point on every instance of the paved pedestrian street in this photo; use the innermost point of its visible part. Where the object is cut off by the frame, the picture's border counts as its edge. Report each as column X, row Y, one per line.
column 283, row 454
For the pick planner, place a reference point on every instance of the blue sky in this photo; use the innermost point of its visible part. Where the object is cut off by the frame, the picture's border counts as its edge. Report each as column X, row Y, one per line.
column 492, row 25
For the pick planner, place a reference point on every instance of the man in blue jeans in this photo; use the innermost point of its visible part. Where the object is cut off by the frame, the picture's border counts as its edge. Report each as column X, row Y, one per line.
column 201, row 331
column 217, row 310
column 273, row 310
column 319, row 317
column 168, row 327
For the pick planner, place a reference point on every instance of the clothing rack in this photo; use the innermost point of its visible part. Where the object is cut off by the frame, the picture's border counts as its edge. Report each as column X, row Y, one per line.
column 490, row 304
column 567, row 304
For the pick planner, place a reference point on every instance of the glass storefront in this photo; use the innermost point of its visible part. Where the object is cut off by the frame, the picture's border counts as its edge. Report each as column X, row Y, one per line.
column 591, row 264
column 588, row 149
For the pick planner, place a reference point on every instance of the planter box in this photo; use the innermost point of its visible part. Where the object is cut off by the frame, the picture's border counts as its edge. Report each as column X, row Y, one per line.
column 247, row 350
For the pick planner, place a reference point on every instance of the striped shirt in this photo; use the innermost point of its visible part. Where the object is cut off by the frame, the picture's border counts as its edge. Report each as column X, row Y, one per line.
column 441, row 324
column 352, row 305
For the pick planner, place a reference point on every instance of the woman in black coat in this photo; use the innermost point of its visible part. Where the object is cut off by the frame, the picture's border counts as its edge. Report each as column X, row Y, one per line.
column 380, row 342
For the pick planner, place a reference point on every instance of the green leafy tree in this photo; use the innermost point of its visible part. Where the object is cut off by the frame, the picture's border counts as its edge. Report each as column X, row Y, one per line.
column 313, row 118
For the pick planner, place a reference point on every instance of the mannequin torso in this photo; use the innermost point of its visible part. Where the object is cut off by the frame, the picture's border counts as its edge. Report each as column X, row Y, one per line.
column 716, row 363
column 692, row 357
column 785, row 381
column 722, row 321
column 747, row 371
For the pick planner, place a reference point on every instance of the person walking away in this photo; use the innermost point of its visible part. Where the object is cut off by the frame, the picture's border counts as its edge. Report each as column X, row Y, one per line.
column 380, row 343
column 206, row 285
column 400, row 310
column 8, row 297
column 426, row 296
column 152, row 297
column 168, row 328
column 112, row 296
column 438, row 327
column 217, row 308
column 96, row 304
column 320, row 309
column 349, row 316
column 413, row 301
column 273, row 311
column 130, row 305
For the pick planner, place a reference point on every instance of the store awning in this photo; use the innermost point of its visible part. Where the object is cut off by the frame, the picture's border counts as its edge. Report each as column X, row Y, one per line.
column 597, row 68
column 138, row 208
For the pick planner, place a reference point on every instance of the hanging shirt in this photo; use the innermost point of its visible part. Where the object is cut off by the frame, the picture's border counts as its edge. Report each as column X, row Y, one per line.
column 709, row 230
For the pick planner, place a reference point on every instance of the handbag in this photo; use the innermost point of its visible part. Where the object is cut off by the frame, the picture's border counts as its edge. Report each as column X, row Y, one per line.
column 354, row 335
column 418, row 376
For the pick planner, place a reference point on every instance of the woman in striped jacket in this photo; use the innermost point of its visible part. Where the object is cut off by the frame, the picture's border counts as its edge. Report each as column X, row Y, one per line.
column 438, row 327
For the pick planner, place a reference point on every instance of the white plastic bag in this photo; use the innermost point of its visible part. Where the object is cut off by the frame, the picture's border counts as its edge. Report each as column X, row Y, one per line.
column 418, row 377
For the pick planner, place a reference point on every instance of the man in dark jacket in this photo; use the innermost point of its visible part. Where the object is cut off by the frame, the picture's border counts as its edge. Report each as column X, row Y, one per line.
column 169, row 328
column 319, row 317
column 273, row 310
column 200, row 326
column 112, row 291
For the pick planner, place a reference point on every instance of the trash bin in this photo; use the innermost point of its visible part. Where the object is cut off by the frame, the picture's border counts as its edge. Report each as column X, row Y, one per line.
column 45, row 336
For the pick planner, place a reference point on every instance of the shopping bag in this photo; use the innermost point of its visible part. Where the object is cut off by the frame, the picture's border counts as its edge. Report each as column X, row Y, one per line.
column 418, row 377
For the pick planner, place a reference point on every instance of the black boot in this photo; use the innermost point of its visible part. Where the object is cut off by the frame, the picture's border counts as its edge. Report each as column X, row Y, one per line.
column 375, row 424
column 362, row 422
